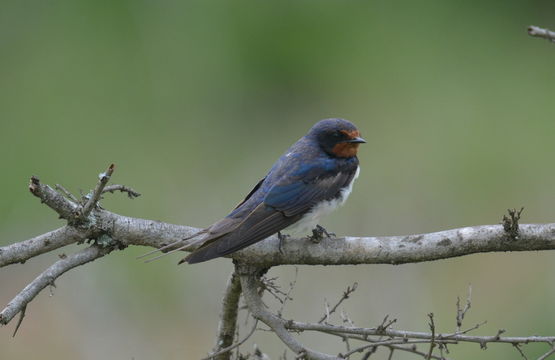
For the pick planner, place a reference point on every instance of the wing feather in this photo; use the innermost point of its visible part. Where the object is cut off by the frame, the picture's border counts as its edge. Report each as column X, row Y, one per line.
column 293, row 199
column 284, row 204
column 261, row 223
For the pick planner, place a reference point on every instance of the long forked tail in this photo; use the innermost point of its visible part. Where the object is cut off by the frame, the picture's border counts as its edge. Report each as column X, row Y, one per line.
column 184, row 243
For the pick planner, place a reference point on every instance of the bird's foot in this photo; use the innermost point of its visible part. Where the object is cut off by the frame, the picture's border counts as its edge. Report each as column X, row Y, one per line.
column 318, row 234
column 281, row 238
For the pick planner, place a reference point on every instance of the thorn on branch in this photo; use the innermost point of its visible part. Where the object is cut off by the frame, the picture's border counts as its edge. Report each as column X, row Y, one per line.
column 21, row 316
column 510, row 223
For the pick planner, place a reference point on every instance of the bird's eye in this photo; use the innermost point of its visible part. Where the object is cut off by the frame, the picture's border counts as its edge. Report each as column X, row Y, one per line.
column 337, row 134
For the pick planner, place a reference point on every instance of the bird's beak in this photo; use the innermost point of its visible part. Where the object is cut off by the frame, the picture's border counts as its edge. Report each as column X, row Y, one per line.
column 356, row 140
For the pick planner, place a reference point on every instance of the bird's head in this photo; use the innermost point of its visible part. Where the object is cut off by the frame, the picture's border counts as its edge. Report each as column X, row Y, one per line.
column 337, row 137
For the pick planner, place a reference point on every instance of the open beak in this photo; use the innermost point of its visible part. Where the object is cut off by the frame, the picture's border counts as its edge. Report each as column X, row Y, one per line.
column 356, row 140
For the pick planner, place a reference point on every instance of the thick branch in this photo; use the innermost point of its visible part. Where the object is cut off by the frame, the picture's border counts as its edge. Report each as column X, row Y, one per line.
column 123, row 229
column 339, row 251
column 399, row 249
column 228, row 317
column 48, row 277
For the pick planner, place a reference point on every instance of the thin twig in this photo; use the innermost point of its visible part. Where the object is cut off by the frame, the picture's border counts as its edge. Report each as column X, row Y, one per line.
column 233, row 346
column 396, row 342
column 327, row 328
column 346, row 294
column 66, row 192
column 287, row 296
column 391, row 351
column 411, row 349
column 103, row 179
column 547, row 354
column 465, row 331
column 433, row 337
column 126, row 189
column 517, row 347
column 462, row 312
column 273, row 288
column 385, row 324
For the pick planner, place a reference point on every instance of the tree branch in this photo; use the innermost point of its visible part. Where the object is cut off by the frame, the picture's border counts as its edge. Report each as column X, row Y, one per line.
column 111, row 231
column 24, row 250
column 482, row 340
column 93, row 197
column 250, row 283
column 334, row 251
column 228, row 318
column 541, row 33
column 399, row 249
column 122, row 188
column 226, row 351
column 19, row 303
column 67, row 209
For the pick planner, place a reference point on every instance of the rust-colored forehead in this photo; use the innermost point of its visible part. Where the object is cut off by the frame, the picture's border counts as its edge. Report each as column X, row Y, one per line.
column 351, row 133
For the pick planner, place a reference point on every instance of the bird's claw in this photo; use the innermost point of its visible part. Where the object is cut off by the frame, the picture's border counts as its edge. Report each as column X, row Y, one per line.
column 281, row 238
column 318, row 234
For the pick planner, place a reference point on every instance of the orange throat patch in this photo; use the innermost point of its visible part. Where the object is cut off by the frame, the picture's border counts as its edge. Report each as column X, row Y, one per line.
column 345, row 149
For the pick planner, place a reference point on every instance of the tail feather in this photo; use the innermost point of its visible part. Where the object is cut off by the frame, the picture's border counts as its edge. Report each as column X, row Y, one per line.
column 203, row 254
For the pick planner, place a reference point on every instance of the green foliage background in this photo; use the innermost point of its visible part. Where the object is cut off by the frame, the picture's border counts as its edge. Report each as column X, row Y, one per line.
column 194, row 100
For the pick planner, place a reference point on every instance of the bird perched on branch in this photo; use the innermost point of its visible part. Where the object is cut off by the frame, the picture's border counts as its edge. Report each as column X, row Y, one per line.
column 312, row 178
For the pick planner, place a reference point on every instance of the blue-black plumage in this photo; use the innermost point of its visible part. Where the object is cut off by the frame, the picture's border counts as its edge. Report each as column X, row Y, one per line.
column 314, row 176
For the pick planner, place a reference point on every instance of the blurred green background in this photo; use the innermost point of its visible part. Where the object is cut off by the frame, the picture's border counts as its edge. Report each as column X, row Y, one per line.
column 194, row 100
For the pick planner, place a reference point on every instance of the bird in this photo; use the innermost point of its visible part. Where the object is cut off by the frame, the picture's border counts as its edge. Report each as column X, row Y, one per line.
column 311, row 179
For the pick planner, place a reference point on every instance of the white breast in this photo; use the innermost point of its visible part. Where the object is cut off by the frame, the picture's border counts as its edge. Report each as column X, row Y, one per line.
column 311, row 219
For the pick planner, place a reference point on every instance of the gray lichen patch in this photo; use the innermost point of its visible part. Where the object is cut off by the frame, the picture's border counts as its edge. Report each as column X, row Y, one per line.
column 445, row 242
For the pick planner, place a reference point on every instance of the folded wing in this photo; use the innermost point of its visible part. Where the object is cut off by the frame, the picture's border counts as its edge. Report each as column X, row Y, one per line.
column 284, row 204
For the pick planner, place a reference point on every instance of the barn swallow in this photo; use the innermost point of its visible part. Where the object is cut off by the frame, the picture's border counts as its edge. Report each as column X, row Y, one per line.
column 311, row 179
